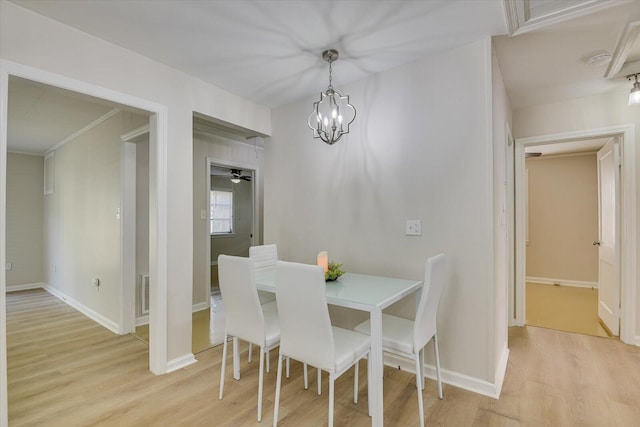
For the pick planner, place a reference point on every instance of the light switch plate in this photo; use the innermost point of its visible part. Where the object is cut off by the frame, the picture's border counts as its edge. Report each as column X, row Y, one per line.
column 414, row 227
column 203, row 214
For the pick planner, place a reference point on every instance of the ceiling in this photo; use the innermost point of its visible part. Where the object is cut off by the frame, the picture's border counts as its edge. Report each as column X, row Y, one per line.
column 269, row 51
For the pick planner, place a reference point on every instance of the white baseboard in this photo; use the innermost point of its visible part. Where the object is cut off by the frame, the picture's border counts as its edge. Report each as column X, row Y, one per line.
column 144, row 319
column 91, row 314
column 26, row 286
column 637, row 340
column 501, row 370
column 563, row 282
column 456, row 379
column 180, row 362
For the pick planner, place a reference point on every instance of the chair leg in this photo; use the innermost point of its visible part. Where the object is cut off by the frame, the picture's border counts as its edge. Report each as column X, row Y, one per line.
column 331, row 380
column 421, row 355
column 419, row 388
column 369, row 391
column 306, row 377
column 250, row 348
column 438, row 375
column 236, row 359
column 260, row 381
column 355, row 382
column 277, row 398
column 319, row 381
column 224, row 360
column 288, row 366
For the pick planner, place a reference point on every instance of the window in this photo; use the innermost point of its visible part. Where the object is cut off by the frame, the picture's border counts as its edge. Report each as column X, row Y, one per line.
column 221, row 212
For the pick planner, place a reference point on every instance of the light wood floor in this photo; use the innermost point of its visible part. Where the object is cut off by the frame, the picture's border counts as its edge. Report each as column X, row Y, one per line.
column 565, row 308
column 207, row 326
column 65, row 370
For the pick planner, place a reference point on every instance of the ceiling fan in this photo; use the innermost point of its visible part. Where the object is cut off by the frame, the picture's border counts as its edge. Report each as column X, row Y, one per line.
column 236, row 176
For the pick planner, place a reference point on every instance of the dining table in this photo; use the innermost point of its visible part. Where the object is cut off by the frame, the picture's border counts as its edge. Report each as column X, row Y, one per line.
column 366, row 293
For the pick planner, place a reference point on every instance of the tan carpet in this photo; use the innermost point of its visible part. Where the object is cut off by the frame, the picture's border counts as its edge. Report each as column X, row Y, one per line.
column 564, row 308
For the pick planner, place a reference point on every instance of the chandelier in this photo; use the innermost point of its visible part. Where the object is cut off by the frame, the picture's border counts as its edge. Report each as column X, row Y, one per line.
column 634, row 95
column 333, row 114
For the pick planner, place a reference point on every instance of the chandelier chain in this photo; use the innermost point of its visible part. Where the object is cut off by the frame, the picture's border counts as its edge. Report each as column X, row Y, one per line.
column 330, row 75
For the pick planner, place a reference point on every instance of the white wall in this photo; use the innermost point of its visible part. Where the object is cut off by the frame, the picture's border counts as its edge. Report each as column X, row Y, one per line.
column 32, row 40
column 586, row 113
column 24, row 219
column 82, row 220
column 420, row 148
column 503, row 210
column 229, row 150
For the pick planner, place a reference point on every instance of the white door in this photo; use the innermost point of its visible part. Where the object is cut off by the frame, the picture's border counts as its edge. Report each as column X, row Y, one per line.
column 608, row 277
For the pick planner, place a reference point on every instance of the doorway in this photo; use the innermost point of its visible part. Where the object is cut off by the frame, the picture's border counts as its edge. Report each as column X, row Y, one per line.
column 158, row 124
column 230, row 231
column 561, row 231
column 627, row 216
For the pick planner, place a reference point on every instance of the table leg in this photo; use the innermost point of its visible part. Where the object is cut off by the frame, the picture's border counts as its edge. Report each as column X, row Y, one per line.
column 377, row 369
column 236, row 359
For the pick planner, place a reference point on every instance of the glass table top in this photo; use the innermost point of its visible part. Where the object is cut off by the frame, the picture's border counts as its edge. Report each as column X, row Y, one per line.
column 358, row 291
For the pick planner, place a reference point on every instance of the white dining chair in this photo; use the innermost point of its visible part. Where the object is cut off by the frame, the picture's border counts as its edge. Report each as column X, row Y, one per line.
column 407, row 338
column 244, row 317
column 264, row 259
column 306, row 331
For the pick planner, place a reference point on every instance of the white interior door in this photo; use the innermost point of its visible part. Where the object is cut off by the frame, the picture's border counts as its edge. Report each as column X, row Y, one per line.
column 608, row 276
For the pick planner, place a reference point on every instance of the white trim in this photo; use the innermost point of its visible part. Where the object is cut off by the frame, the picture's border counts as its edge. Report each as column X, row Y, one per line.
column 519, row 24
column 128, row 237
column 142, row 320
column 158, row 359
column 628, row 254
column 637, row 340
column 623, row 47
column 129, row 136
column 456, row 379
column 200, row 306
column 181, row 362
column 4, row 90
column 562, row 282
column 85, row 129
column 26, row 286
column 501, row 370
column 91, row 314
column 49, row 166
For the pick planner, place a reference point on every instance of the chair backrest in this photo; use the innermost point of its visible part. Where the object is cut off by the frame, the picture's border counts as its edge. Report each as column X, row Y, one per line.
column 264, row 257
column 305, row 326
column 242, row 312
column 424, row 327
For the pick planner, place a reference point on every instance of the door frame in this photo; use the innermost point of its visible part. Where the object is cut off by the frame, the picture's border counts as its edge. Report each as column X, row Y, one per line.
column 214, row 161
column 628, row 246
column 158, row 204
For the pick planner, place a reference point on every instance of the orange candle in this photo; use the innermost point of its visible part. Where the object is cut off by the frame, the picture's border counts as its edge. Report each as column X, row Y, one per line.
column 323, row 260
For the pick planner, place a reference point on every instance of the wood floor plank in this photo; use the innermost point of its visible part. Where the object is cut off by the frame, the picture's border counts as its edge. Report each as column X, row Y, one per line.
column 65, row 370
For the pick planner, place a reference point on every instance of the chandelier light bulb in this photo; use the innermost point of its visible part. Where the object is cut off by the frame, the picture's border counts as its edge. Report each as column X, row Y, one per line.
column 634, row 95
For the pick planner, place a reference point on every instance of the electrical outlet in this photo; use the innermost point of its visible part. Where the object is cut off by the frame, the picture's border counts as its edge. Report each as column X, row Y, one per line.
column 8, row 266
column 414, row 227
